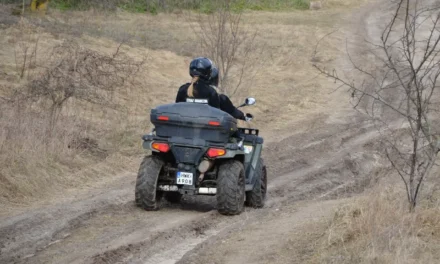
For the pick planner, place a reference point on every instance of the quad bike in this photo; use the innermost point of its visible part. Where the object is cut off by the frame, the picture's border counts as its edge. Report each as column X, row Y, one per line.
column 199, row 150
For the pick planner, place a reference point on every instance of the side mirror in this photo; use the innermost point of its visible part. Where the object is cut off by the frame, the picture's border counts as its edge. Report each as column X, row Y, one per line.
column 250, row 101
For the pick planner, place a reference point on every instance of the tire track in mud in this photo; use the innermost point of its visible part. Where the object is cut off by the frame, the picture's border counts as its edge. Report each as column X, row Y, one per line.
column 24, row 236
column 172, row 242
column 340, row 157
column 332, row 162
column 347, row 172
column 341, row 175
column 138, row 236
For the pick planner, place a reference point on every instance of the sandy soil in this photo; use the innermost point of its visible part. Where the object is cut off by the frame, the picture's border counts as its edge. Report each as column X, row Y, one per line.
column 315, row 160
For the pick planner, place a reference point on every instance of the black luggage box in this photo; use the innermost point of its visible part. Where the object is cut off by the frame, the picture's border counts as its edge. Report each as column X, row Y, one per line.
column 193, row 120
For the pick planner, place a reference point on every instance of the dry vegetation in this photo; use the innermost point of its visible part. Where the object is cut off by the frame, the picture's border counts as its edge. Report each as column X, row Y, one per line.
column 73, row 107
column 403, row 83
column 98, row 127
column 384, row 226
column 95, row 132
column 378, row 228
column 54, row 99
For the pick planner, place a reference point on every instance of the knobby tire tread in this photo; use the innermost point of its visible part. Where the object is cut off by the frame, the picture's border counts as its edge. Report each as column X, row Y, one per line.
column 146, row 194
column 231, row 188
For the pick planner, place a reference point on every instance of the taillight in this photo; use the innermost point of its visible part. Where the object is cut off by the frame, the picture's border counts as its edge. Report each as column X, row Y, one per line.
column 162, row 147
column 215, row 152
column 163, row 118
column 214, row 123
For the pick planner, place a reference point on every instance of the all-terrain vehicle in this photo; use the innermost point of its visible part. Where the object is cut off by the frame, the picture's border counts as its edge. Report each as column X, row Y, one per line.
column 199, row 150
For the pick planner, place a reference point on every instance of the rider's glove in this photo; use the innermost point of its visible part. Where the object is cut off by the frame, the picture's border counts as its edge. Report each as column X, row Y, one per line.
column 248, row 117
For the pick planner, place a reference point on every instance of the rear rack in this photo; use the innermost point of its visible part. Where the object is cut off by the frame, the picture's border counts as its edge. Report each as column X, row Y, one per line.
column 249, row 131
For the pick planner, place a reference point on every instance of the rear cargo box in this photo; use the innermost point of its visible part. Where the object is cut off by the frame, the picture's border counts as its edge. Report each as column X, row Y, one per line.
column 192, row 120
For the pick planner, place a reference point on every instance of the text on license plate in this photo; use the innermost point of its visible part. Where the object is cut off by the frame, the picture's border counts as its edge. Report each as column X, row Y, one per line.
column 185, row 178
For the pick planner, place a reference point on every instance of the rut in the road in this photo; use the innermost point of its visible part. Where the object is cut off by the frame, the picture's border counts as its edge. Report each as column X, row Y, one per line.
column 344, row 169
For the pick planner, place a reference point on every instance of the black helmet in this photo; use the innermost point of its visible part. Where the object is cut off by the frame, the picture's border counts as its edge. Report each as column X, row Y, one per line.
column 200, row 67
column 214, row 76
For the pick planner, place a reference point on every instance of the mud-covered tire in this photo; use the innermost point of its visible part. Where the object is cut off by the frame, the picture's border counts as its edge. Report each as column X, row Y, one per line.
column 146, row 195
column 173, row 197
column 256, row 198
column 231, row 188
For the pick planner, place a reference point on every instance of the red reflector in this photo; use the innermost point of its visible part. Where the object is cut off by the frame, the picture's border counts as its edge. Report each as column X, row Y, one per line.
column 214, row 123
column 162, row 147
column 163, row 118
column 215, row 152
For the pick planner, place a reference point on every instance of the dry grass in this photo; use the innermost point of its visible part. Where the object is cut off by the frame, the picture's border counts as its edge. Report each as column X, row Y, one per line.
column 375, row 228
column 206, row 6
column 378, row 228
column 33, row 166
column 39, row 156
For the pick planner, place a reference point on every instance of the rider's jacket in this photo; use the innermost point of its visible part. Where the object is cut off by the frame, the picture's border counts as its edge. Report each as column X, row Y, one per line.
column 227, row 106
column 203, row 93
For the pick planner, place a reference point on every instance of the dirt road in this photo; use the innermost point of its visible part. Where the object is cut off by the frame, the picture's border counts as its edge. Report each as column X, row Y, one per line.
column 326, row 156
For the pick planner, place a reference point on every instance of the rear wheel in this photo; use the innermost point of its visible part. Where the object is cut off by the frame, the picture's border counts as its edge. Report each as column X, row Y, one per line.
column 231, row 188
column 146, row 194
column 173, row 197
column 257, row 197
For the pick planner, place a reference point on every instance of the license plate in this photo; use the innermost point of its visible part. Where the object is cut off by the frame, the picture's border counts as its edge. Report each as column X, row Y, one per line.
column 185, row 178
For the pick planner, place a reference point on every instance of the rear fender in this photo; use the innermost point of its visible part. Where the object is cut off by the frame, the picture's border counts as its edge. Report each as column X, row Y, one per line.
column 251, row 162
column 230, row 154
column 249, row 156
column 147, row 140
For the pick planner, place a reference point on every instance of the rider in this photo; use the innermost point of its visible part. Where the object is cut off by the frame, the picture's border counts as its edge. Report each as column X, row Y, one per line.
column 225, row 103
column 199, row 89
column 203, row 88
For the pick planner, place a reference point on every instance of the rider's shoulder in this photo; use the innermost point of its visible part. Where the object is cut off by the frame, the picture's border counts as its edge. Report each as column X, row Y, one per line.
column 184, row 87
column 223, row 97
column 213, row 89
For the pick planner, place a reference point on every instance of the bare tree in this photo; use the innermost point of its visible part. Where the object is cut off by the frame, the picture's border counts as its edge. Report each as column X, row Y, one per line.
column 405, row 83
column 230, row 43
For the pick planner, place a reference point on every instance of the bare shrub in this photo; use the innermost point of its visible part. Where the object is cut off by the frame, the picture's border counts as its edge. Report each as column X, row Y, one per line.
column 82, row 74
column 230, row 43
column 27, row 155
column 52, row 125
column 26, row 46
column 404, row 86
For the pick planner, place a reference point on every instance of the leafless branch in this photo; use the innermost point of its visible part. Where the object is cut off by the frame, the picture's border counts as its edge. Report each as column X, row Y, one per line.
column 230, row 44
column 404, row 81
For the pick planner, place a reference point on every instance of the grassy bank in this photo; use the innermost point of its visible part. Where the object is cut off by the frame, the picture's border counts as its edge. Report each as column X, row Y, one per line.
column 155, row 6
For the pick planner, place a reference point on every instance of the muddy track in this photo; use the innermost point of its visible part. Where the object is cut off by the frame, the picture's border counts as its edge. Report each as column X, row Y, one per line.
column 108, row 228
column 324, row 158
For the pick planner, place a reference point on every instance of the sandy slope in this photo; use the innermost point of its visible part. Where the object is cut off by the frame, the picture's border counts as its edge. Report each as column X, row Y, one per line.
column 312, row 161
